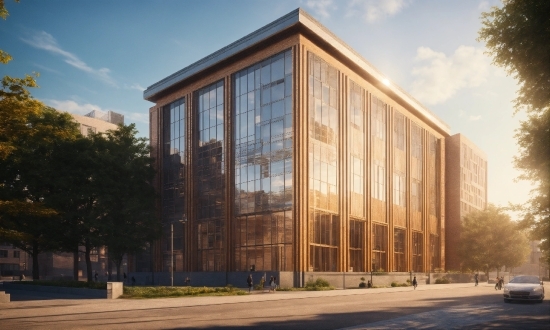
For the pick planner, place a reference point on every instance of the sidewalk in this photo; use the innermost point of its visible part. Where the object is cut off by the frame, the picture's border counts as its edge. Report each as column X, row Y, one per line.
column 52, row 301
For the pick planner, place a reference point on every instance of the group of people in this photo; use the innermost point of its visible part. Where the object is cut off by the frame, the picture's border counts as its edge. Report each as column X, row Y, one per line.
column 272, row 283
column 499, row 283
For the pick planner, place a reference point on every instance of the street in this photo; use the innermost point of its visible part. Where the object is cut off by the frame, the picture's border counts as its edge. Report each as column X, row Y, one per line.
column 446, row 306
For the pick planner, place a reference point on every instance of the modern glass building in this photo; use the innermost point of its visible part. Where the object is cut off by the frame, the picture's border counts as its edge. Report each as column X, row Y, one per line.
column 285, row 152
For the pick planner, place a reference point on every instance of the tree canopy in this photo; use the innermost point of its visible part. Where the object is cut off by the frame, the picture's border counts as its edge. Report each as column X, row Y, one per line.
column 489, row 239
column 517, row 36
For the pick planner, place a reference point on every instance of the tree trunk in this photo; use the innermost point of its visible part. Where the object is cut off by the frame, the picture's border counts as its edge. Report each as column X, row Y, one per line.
column 35, row 270
column 75, row 264
column 88, row 261
column 117, row 264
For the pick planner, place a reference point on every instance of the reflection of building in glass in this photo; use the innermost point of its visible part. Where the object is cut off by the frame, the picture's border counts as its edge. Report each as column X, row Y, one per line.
column 295, row 157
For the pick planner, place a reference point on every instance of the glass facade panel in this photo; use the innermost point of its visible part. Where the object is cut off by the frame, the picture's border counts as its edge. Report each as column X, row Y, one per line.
column 357, row 150
column 433, row 180
column 435, row 253
column 174, row 171
column 263, row 164
column 417, row 246
column 323, row 157
column 378, row 147
column 399, row 162
column 210, row 184
column 357, row 245
column 399, row 250
column 379, row 248
column 416, row 167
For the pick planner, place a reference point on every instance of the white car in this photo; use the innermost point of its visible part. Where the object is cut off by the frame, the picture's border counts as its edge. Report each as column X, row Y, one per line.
column 524, row 287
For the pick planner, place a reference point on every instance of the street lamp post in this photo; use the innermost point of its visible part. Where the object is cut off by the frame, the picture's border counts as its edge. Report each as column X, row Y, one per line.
column 172, row 254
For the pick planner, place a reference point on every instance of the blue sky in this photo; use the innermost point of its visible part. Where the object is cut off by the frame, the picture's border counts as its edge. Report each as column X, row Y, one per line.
column 101, row 55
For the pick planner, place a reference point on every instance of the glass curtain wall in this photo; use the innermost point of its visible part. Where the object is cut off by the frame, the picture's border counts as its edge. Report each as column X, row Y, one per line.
column 210, row 181
column 378, row 168
column 174, row 168
column 435, row 252
column 357, row 177
column 433, row 180
column 323, row 164
column 356, row 245
column 416, row 168
column 399, row 250
column 263, row 226
column 379, row 248
column 399, row 164
column 417, row 246
column 357, row 150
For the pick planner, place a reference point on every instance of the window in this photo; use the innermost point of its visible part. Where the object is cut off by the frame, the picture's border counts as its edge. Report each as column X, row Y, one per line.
column 356, row 243
column 3, row 253
column 399, row 250
column 417, row 246
column 379, row 248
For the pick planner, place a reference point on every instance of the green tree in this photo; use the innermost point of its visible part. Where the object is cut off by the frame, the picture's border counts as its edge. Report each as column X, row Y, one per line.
column 490, row 240
column 25, row 219
column 128, row 198
column 517, row 36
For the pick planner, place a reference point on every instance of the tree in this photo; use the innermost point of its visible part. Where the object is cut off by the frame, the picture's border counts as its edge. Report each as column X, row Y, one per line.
column 25, row 220
column 517, row 36
column 128, row 198
column 490, row 240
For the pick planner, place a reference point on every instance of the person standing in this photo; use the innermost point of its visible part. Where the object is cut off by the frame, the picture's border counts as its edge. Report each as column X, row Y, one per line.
column 415, row 283
column 96, row 276
column 476, row 278
column 250, row 282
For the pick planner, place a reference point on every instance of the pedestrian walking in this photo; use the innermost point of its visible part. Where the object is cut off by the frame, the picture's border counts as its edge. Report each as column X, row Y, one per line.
column 476, row 278
column 125, row 277
column 96, row 276
column 273, row 284
column 249, row 282
column 415, row 283
column 133, row 281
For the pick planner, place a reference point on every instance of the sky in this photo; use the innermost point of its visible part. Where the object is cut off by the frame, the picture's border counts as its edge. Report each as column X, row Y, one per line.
column 102, row 54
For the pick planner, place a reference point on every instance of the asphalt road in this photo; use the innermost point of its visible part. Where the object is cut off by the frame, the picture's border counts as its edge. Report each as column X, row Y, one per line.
column 453, row 306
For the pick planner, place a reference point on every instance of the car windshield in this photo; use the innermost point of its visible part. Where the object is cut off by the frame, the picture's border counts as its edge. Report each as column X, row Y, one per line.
column 525, row 279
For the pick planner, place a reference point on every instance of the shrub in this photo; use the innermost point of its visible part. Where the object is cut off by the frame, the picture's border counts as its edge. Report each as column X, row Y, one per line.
column 395, row 284
column 442, row 280
column 318, row 285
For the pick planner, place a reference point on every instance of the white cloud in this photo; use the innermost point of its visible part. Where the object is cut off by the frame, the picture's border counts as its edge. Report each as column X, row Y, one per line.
column 135, row 86
column 321, row 7
column 45, row 41
column 438, row 77
column 375, row 10
column 475, row 118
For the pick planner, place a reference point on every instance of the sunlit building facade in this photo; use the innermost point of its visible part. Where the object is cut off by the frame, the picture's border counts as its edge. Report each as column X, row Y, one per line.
column 467, row 172
column 286, row 152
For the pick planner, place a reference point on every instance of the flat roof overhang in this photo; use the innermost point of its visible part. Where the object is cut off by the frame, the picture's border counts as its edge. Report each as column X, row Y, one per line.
column 300, row 21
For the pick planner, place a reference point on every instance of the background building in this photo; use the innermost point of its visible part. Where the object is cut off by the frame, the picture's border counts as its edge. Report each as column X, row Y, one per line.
column 286, row 152
column 53, row 265
column 466, row 189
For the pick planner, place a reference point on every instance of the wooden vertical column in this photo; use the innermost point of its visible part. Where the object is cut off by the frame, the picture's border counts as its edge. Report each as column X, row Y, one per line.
column 343, row 158
column 368, row 176
column 300, row 160
column 191, row 183
column 442, row 203
column 229, row 172
column 408, row 195
column 389, row 192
